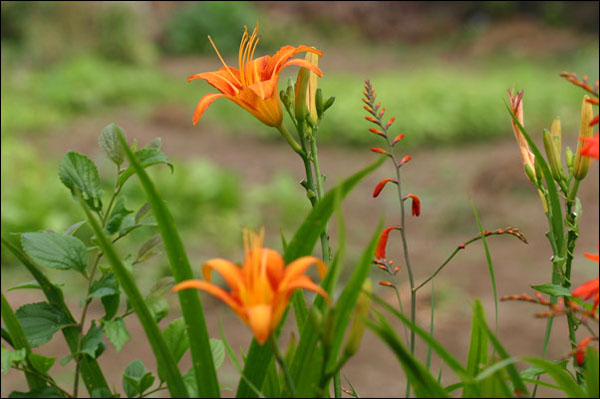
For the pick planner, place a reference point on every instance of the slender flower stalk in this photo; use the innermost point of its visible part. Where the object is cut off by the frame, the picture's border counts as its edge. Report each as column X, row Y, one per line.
column 377, row 115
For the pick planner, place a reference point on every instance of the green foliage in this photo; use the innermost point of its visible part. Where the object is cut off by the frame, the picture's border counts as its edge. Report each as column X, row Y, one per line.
column 56, row 251
column 116, row 333
column 136, row 379
column 188, row 27
column 78, row 172
column 41, row 321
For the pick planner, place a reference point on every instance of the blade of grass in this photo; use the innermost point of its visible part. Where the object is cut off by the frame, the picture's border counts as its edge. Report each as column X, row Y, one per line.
column 562, row 377
column 513, row 373
column 191, row 307
column 423, row 382
column 163, row 355
column 488, row 259
column 437, row 347
column 301, row 244
column 90, row 370
column 478, row 351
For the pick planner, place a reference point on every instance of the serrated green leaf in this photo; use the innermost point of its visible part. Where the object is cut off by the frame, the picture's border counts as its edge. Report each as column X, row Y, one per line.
column 154, row 143
column 10, row 356
column 41, row 321
column 159, row 307
column 552, row 289
column 111, row 305
column 132, row 377
column 176, row 338
column 146, row 157
column 146, row 250
column 116, row 333
column 104, row 286
column 103, row 392
column 55, row 251
column 27, row 285
column 47, row 392
column 110, row 144
column 117, row 214
column 76, row 171
column 42, row 364
column 92, row 340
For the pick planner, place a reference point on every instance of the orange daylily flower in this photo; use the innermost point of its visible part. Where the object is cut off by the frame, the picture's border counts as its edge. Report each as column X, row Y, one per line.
column 262, row 287
column 254, row 85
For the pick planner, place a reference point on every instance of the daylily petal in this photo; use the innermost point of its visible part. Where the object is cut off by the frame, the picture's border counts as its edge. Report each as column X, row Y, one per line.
column 220, row 80
column 304, row 64
column 230, row 272
column 275, row 265
column 284, row 54
column 307, row 284
column 203, row 104
column 259, row 320
column 211, row 289
column 268, row 110
column 298, row 267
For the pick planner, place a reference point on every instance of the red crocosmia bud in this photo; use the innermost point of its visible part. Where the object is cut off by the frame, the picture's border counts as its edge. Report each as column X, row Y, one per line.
column 416, row 204
column 379, row 150
column 386, row 284
column 366, row 101
column 397, row 269
column 368, row 109
column 595, row 120
column 387, row 125
column 383, row 238
column 381, row 185
column 370, row 119
column 594, row 257
column 593, row 100
column 580, row 350
column 376, row 131
column 398, row 138
column 587, row 290
column 381, row 112
column 404, row 160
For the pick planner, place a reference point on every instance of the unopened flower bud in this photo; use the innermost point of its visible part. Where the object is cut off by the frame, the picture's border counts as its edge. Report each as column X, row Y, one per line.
column 582, row 163
column 328, row 103
column 556, row 133
column 284, row 98
column 319, row 102
column 361, row 311
column 569, row 158
column 552, row 156
column 529, row 172
column 306, row 87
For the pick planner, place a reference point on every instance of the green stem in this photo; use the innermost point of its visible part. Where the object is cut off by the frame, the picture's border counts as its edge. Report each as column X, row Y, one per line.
column 284, row 369
column 320, row 194
column 291, row 141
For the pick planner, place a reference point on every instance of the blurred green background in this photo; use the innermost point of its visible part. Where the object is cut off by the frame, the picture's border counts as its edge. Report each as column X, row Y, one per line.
column 441, row 68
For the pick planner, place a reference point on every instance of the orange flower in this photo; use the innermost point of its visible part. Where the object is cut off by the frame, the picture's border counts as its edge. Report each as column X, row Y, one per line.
column 262, row 287
column 254, row 85
column 581, row 348
column 382, row 243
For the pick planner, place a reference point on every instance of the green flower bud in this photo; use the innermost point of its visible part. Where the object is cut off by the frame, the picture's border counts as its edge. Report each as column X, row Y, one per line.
column 552, row 156
column 319, row 102
column 570, row 159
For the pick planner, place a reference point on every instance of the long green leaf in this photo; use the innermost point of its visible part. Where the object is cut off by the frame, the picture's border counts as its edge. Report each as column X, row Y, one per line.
column 301, row 244
column 488, row 258
column 90, row 370
column 161, row 351
column 513, row 373
column 478, row 351
column 423, row 382
column 591, row 372
column 191, row 307
column 562, row 377
column 19, row 341
column 435, row 345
